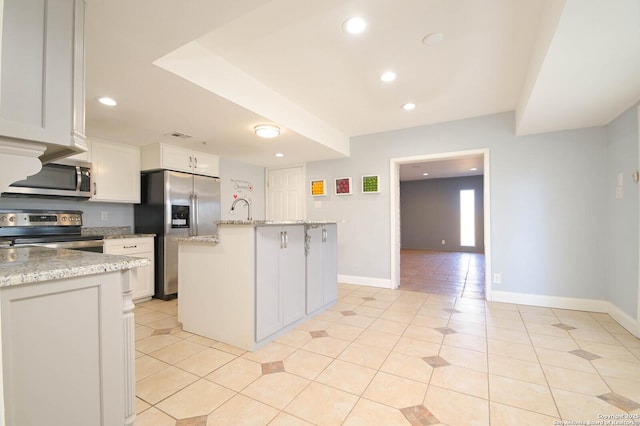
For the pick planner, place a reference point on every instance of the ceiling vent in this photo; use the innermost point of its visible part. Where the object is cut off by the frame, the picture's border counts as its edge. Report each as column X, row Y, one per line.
column 180, row 135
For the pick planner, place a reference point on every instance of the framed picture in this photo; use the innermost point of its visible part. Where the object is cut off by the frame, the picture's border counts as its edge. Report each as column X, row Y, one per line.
column 343, row 186
column 318, row 187
column 371, row 184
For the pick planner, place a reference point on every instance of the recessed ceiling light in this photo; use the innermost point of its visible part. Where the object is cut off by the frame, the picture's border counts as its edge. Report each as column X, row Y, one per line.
column 107, row 101
column 473, row 169
column 279, row 155
column 409, row 106
column 433, row 39
column 425, row 174
column 354, row 25
column 388, row 76
column 267, row 131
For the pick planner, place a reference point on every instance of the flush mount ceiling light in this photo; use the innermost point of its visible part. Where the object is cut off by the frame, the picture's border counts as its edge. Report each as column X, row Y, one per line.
column 409, row 106
column 278, row 155
column 425, row 174
column 354, row 25
column 267, row 131
column 473, row 169
column 388, row 76
column 107, row 101
column 433, row 39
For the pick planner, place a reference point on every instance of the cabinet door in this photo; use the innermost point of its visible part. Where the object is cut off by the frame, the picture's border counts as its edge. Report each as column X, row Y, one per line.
column 205, row 164
column 329, row 262
column 292, row 274
column 315, row 277
column 116, row 172
column 136, row 247
column 269, row 244
column 173, row 158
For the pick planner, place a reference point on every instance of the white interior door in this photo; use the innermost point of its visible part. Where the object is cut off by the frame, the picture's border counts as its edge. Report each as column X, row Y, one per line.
column 285, row 193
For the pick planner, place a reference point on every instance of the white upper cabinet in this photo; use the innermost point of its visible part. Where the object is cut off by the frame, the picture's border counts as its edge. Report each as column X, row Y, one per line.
column 42, row 75
column 116, row 172
column 169, row 157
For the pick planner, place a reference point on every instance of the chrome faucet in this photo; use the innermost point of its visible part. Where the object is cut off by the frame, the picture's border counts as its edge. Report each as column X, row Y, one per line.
column 233, row 206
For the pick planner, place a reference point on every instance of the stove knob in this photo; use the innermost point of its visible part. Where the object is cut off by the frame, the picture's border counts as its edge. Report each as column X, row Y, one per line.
column 12, row 218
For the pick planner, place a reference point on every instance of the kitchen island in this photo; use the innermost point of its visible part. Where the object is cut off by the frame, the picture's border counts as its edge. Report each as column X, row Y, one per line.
column 256, row 280
column 67, row 337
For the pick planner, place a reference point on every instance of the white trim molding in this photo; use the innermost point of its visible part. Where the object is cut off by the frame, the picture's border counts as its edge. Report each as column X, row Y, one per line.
column 365, row 281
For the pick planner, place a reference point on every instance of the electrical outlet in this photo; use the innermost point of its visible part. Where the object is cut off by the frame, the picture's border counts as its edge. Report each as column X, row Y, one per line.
column 444, row 242
column 497, row 278
column 104, row 216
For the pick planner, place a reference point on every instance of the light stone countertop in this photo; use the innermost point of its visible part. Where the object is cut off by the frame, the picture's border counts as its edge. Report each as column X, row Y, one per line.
column 200, row 239
column 24, row 265
column 274, row 222
column 114, row 232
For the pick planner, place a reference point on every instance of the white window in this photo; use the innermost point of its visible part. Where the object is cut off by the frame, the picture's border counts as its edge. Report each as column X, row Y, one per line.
column 467, row 218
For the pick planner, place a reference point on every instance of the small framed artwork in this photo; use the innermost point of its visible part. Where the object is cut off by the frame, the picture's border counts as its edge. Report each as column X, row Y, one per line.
column 343, row 186
column 318, row 187
column 371, row 184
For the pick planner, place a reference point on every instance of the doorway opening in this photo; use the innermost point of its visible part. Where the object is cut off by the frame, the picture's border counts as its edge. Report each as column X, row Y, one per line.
column 469, row 265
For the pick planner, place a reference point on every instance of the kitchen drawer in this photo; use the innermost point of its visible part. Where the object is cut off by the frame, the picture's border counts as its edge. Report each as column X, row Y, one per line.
column 126, row 246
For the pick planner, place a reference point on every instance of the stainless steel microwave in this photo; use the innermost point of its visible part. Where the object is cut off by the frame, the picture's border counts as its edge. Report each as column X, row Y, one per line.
column 55, row 180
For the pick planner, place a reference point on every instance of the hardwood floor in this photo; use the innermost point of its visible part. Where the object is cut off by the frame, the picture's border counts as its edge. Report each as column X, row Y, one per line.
column 439, row 272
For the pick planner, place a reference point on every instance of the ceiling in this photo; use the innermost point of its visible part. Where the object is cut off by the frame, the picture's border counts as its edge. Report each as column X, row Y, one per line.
column 214, row 69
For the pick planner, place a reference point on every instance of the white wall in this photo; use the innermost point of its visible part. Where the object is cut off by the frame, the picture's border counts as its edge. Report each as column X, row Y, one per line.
column 622, row 230
column 547, row 193
column 242, row 181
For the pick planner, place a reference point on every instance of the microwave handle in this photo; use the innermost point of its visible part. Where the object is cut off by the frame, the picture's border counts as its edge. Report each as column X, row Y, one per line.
column 78, row 178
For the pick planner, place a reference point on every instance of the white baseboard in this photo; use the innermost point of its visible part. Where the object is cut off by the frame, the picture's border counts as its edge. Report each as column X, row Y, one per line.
column 368, row 281
column 591, row 305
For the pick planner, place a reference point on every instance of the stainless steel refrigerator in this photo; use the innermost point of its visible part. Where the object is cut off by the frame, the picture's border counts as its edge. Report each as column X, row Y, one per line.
column 174, row 205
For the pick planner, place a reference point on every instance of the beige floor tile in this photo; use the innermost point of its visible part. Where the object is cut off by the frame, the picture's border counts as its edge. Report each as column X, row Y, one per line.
column 169, row 322
column 146, row 366
column 509, row 324
column 143, row 331
column 580, row 407
column 547, row 330
column 160, row 385
column 322, row 405
column 141, row 405
column 521, row 394
column 294, row 338
column 367, row 413
column 315, row 324
column 378, row 339
column 616, row 368
column 552, row 342
column 378, row 304
column 479, row 330
column 284, row 419
column 364, row 355
column 415, row 347
column 407, row 366
column 469, row 382
column 429, row 321
column 153, row 343
column 344, row 332
column 236, row 374
column 386, row 326
column 516, row 369
column 154, row 417
column 508, row 335
column 328, row 315
column 599, row 335
column 423, row 333
column 328, row 346
column 347, row 376
column 270, row 352
column 197, row 399
column 512, row 350
column 205, row 361
column 465, row 358
column 628, row 388
column 395, row 391
column 565, row 360
column 276, row 390
column 177, row 351
column 368, row 311
column 306, row 364
column 612, row 351
column 241, row 410
column 356, row 321
column 465, row 341
column 575, row 381
column 502, row 415
column 151, row 316
column 472, row 318
column 398, row 316
column 454, row 408
column 228, row 348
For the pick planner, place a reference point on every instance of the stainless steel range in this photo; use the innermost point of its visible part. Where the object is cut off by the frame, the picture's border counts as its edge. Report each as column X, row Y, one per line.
column 46, row 228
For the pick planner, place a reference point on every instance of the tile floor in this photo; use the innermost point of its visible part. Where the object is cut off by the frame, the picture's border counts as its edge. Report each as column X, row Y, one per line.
column 439, row 272
column 394, row 357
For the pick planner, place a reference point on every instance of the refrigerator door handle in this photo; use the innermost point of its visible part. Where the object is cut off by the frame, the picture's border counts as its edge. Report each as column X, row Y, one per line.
column 193, row 216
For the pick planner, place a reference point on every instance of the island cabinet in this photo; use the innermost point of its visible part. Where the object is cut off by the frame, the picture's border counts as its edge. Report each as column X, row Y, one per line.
column 321, row 270
column 280, row 278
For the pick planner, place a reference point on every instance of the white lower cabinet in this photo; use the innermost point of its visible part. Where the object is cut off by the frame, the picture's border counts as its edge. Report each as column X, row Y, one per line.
column 322, row 274
column 280, row 278
column 136, row 247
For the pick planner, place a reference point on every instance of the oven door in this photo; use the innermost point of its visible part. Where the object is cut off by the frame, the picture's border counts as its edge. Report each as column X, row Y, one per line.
column 96, row 246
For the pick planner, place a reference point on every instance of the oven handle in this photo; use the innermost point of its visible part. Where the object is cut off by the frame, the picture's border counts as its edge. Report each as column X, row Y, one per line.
column 71, row 245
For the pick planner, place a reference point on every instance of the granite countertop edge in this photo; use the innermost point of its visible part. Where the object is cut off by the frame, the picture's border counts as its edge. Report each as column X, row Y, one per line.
column 200, row 239
column 28, row 265
column 275, row 222
column 122, row 236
